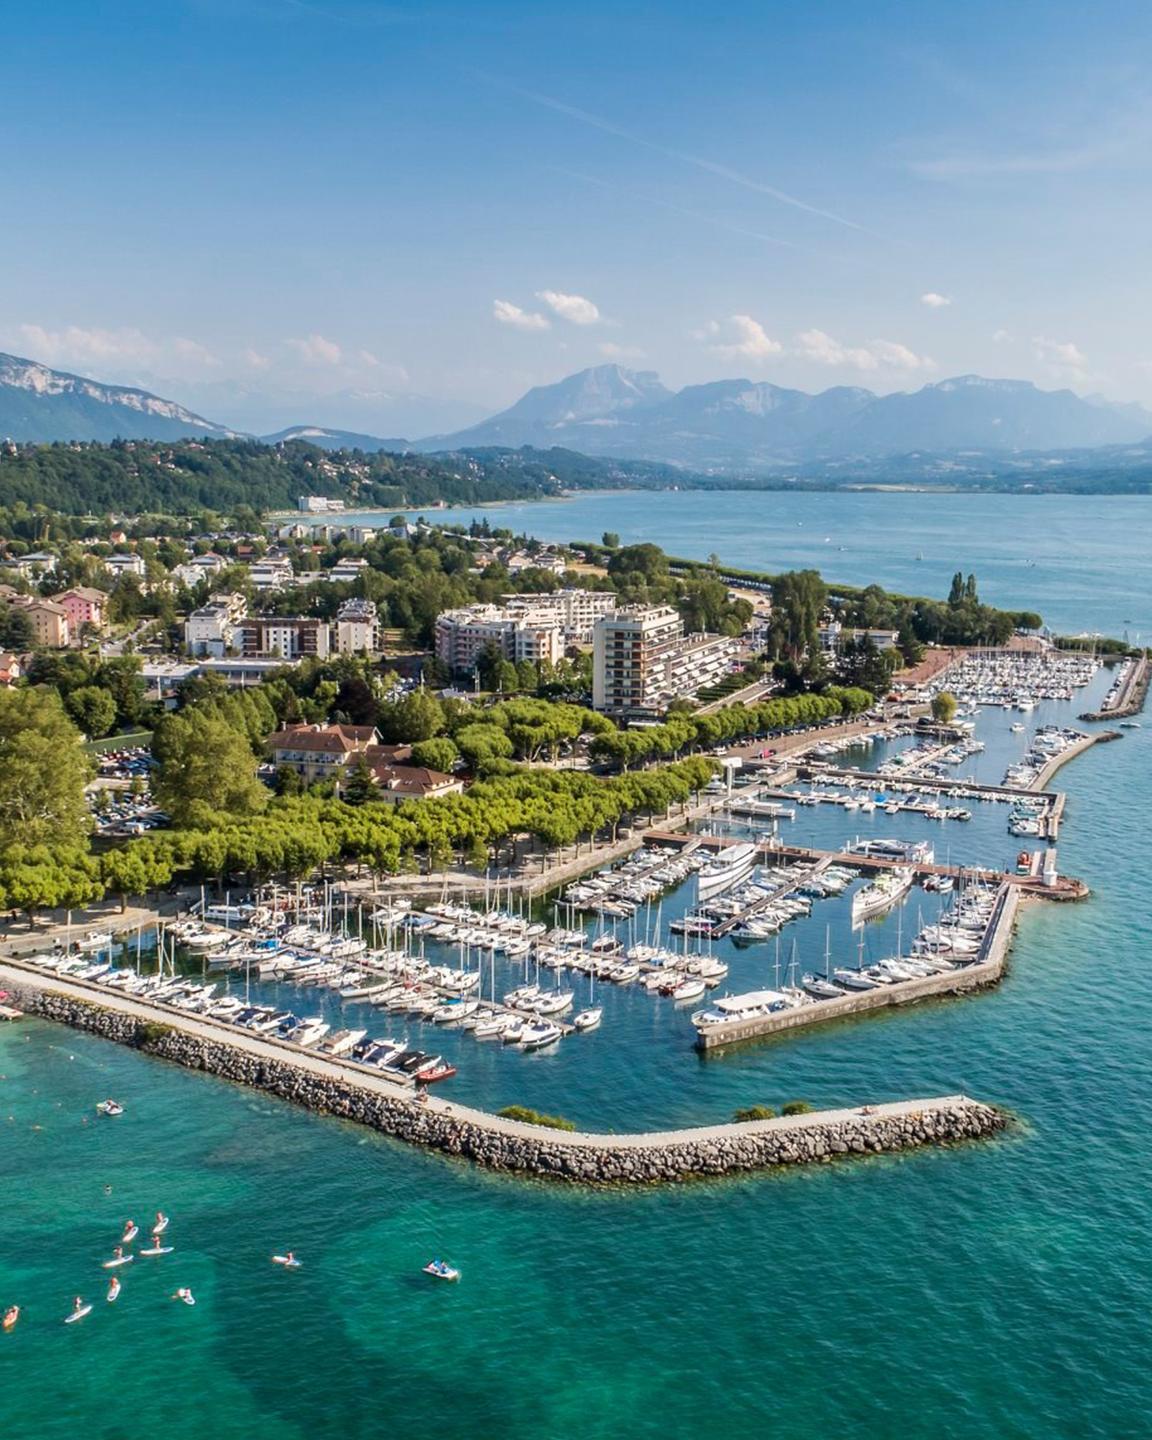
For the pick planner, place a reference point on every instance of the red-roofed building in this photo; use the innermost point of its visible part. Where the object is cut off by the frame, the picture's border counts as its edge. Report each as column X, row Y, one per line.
column 320, row 752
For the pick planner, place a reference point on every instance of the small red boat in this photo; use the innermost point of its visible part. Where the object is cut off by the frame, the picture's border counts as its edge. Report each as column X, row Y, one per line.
column 435, row 1072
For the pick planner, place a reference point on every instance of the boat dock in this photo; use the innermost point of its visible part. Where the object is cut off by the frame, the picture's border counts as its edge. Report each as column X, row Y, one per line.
column 1049, row 817
column 986, row 969
column 767, row 901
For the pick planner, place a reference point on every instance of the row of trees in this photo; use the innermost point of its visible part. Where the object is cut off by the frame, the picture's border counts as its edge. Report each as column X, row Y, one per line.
column 499, row 820
column 733, row 722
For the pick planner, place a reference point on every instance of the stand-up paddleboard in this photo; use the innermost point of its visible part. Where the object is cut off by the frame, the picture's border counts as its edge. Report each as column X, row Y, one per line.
column 161, row 1223
column 11, row 1315
column 131, row 1230
column 289, row 1261
column 113, row 1290
column 118, row 1260
column 157, row 1250
column 186, row 1295
column 78, row 1314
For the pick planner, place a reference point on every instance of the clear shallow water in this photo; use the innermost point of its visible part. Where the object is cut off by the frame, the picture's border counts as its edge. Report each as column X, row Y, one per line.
column 990, row 1291
column 1083, row 561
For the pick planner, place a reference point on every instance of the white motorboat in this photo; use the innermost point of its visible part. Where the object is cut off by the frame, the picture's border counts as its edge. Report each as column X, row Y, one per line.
column 311, row 1032
column 536, row 1037
column 588, row 1019
column 884, row 892
column 750, row 1006
column 95, row 941
column 728, row 868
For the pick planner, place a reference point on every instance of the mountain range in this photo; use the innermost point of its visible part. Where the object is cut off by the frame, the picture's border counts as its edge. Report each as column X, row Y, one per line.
column 741, row 428
column 753, row 426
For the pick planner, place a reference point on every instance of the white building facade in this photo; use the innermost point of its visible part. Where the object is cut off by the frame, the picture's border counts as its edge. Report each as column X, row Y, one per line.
column 642, row 661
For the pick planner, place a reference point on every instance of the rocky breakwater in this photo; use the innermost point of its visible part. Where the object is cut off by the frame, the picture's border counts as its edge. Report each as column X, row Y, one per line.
column 509, row 1145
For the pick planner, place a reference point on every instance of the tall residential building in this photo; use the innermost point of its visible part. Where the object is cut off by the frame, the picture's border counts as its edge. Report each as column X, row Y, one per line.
column 642, row 660
column 211, row 630
column 357, row 628
column 575, row 611
column 461, row 635
column 285, row 637
column 524, row 627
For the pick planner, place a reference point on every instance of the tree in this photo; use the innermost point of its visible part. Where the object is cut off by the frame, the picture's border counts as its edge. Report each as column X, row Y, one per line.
column 610, row 540
column 93, row 709
column 47, row 877
column 438, row 754
column 207, row 768
column 43, row 771
column 418, row 716
column 356, row 700
column 360, row 786
column 483, row 742
column 15, row 629
column 943, row 707
column 488, row 661
column 646, row 562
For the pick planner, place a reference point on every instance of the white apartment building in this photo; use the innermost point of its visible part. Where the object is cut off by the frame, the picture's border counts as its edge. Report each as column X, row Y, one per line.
column 357, row 628
column 575, row 611
column 462, row 634
column 318, row 504
column 345, row 570
column 642, row 660
column 525, row 627
column 117, row 565
column 199, row 567
column 271, row 574
column 285, row 637
column 211, row 630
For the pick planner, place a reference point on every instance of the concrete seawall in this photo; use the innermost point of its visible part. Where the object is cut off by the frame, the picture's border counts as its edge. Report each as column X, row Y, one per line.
column 987, row 970
column 500, row 1144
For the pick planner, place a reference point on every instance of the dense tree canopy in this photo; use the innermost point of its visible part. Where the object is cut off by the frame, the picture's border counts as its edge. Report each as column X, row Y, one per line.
column 43, row 771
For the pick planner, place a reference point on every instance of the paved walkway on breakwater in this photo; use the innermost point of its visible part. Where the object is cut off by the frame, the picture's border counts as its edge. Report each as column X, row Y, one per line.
column 357, row 1094
column 987, row 969
column 1131, row 699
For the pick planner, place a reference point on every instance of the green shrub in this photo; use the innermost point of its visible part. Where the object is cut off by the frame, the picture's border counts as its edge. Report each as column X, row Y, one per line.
column 797, row 1107
column 754, row 1112
column 151, row 1032
column 533, row 1117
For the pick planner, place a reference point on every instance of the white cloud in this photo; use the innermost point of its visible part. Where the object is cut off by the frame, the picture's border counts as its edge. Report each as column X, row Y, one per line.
column 254, row 360
column 1001, row 337
column 1061, row 358
column 611, row 351
column 934, row 300
column 509, row 314
column 824, row 349
column 741, row 337
column 574, row 308
column 316, row 350
column 110, row 350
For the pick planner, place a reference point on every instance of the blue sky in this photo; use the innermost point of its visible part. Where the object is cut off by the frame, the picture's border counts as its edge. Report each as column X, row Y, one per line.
column 396, row 217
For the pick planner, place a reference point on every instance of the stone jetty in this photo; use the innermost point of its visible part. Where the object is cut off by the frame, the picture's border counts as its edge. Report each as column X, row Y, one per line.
column 357, row 1094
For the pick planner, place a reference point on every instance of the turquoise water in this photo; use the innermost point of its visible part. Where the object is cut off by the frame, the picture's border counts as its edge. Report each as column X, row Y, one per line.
column 1082, row 561
column 990, row 1291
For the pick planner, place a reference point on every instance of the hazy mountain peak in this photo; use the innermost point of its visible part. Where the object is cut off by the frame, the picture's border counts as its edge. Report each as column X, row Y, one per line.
column 38, row 403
